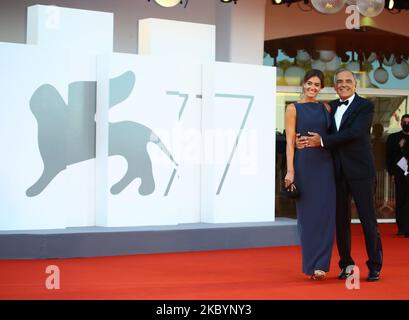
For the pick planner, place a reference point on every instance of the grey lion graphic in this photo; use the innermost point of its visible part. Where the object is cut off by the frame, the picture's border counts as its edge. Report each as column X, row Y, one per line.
column 66, row 133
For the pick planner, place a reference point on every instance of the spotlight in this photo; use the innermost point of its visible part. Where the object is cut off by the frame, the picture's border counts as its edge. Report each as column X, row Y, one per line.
column 167, row 3
column 391, row 4
column 227, row 1
column 288, row 2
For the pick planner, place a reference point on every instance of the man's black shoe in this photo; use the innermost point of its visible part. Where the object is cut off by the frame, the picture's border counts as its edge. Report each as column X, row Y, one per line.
column 373, row 276
column 345, row 272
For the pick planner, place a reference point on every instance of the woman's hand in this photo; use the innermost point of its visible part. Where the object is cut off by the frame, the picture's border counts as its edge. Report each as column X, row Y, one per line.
column 289, row 179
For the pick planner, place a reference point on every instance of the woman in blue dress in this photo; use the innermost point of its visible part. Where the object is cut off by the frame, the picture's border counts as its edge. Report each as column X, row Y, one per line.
column 311, row 169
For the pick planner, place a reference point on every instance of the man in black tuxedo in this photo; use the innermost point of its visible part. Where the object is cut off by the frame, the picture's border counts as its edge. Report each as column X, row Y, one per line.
column 349, row 141
column 395, row 147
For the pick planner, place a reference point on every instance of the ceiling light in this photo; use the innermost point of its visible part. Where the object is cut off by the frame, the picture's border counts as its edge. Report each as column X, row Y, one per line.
column 167, row 3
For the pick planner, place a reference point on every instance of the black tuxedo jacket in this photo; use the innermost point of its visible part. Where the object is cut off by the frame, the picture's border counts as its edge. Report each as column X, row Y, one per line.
column 351, row 144
column 394, row 152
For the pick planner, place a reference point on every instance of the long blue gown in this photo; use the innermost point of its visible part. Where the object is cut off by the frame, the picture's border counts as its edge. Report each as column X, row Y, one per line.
column 314, row 177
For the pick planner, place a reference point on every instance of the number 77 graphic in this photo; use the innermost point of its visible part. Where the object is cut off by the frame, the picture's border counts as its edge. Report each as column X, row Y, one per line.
column 182, row 109
column 243, row 123
column 185, row 98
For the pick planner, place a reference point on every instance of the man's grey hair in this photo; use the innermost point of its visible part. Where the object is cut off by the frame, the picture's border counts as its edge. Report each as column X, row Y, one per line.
column 343, row 70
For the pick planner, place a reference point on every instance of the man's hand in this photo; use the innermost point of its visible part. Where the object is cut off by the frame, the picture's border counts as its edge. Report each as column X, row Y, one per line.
column 313, row 140
column 300, row 141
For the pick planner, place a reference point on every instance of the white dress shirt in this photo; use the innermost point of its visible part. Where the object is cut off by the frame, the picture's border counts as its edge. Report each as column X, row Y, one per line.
column 341, row 110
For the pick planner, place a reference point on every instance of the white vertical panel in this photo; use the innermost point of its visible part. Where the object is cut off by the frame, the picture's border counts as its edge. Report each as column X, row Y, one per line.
column 239, row 186
column 70, row 29
column 163, row 100
column 177, row 40
column 63, row 57
column 101, row 140
column 68, row 199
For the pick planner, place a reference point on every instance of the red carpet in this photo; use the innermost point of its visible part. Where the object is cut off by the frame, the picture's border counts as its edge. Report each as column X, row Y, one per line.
column 265, row 273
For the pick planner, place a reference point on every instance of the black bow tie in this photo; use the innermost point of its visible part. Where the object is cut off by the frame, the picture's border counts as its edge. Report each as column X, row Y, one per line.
column 340, row 103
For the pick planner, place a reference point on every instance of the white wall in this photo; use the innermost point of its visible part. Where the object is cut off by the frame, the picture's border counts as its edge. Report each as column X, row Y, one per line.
column 126, row 15
column 48, row 174
column 239, row 28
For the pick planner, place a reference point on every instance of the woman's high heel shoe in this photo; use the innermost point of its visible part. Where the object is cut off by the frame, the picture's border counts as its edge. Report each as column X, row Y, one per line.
column 318, row 275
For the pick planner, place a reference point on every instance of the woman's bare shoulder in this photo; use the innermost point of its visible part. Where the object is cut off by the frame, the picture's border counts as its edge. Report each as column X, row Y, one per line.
column 290, row 110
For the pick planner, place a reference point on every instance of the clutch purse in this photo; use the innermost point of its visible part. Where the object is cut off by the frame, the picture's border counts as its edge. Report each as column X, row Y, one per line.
column 291, row 194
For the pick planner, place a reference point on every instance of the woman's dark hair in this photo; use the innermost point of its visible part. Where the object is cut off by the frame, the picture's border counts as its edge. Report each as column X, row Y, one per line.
column 314, row 73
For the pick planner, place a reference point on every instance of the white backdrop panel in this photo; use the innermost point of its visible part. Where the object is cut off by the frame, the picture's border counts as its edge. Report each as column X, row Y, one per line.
column 177, row 40
column 69, row 197
column 70, row 29
column 163, row 100
column 239, row 109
